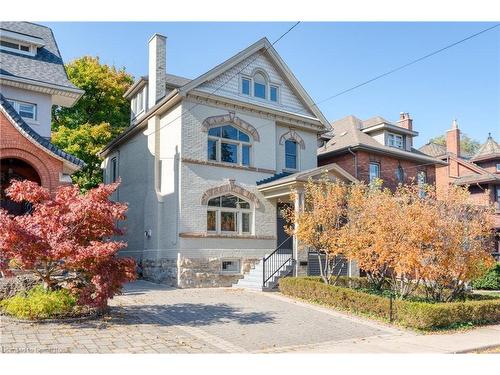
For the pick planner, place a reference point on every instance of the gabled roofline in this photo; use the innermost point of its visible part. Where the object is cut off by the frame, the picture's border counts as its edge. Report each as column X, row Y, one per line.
column 135, row 87
column 240, row 56
column 398, row 154
column 72, row 162
column 391, row 127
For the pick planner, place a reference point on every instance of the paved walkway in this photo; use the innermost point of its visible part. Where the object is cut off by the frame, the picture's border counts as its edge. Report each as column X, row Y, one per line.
column 150, row 318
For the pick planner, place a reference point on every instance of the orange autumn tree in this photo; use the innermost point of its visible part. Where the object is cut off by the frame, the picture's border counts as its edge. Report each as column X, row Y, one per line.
column 458, row 250
column 409, row 239
column 318, row 226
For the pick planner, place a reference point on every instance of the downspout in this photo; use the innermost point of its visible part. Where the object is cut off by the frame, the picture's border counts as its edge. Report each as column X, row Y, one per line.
column 355, row 162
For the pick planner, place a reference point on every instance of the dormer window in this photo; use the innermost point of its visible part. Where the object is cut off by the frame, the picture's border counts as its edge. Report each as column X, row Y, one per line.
column 137, row 104
column 395, row 140
column 26, row 110
column 259, row 86
column 18, row 47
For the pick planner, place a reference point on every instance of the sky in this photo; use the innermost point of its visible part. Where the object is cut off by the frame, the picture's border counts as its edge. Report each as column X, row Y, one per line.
column 462, row 82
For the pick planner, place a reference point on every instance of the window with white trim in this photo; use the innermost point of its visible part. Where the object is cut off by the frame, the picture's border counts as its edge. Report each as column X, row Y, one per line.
column 114, row 170
column 374, row 171
column 230, row 266
column 395, row 140
column 15, row 46
column 290, row 154
column 498, row 167
column 421, row 181
column 400, row 174
column 228, row 144
column 228, row 214
column 26, row 110
column 259, row 86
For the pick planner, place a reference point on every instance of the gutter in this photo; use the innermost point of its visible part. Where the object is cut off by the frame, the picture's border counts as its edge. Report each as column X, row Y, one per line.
column 355, row 162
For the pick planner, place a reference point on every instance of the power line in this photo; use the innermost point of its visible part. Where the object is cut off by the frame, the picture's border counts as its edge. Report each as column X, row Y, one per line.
column 406, row 65
column 228, row 80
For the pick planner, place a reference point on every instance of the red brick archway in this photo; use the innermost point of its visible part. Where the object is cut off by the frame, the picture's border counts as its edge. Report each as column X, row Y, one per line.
column 34, row 161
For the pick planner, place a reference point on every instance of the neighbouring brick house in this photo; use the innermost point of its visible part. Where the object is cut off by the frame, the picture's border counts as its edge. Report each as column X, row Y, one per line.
column 32, row 79
column 480, row 172
column 377, row 148
column 206, row 164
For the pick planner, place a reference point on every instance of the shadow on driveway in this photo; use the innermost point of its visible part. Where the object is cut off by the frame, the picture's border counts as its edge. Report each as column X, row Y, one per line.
column 188, row 314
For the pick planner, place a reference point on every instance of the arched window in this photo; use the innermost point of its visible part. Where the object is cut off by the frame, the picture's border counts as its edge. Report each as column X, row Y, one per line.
column 259, row 86
column 400, row 174
column 229, row 214
column 290, row 154
column 229, row 145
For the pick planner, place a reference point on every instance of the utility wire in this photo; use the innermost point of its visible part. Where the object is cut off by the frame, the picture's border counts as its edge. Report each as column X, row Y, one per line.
column 228, row 80
column 407, row 64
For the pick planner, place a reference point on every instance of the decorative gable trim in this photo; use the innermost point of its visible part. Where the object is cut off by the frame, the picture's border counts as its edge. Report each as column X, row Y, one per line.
column 291, row 134
column 230, row 118
column 230, row 187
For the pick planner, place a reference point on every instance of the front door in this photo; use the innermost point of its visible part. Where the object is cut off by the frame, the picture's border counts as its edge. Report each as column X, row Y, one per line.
column 284, row 241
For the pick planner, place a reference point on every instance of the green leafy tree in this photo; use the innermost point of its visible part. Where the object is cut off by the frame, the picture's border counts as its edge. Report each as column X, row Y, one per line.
column 103, row 100
column 100, row 114
column 467, row 145
column 85, row 141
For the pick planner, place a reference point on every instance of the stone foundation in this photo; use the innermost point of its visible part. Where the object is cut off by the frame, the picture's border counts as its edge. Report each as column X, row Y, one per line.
column 206, row 272
column 9, row 286
column 161, row 271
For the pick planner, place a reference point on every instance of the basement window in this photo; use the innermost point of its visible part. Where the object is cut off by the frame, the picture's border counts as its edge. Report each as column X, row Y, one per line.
column 231, row 266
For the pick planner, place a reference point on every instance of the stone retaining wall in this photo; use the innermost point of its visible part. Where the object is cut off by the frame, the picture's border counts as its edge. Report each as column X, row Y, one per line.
column 162, row 271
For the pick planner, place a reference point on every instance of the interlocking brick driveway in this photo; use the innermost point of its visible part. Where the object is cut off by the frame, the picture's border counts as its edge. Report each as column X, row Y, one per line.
column 150, row 318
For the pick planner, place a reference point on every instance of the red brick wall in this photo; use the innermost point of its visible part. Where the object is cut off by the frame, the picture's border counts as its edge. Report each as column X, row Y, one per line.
column 490, row 165
column 387, row 164
column 14, row 145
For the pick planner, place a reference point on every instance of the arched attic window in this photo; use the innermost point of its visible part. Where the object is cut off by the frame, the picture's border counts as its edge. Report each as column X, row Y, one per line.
column 259, row 85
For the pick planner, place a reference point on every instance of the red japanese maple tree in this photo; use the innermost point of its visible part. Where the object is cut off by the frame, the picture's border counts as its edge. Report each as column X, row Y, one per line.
column 66, row 240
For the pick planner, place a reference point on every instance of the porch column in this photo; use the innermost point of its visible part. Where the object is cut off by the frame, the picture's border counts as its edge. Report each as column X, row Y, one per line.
column 300, row 256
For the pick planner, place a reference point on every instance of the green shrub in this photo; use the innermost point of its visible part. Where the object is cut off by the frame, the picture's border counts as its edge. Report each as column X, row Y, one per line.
column 490, row 281
column 39, row 303
column 420, row 315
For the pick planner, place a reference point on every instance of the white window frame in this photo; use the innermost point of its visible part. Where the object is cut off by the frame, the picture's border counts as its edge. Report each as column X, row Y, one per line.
column 239, row 217
column 421, row 183
column 370, row 179
column 269, row 84
column 395, row 140
column 31, row 52
column 231, row 272
column 17, row 106
column 238, row 143
column 498, row 167
column 296, row 155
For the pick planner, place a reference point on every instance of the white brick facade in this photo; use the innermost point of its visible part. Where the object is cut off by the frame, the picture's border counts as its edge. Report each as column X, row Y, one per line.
column 165, row 173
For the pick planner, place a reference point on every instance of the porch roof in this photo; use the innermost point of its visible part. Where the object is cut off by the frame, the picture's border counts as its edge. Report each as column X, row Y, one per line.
column 282, row 186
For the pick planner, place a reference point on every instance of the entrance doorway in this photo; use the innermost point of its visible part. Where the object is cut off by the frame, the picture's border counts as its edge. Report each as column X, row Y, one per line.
column 12, row 169
column 284, row 241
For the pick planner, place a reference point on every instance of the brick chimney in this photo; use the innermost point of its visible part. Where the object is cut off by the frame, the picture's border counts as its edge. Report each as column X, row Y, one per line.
column 453, row 147
column 406, row 122
column 157, row 69
column 453, row 139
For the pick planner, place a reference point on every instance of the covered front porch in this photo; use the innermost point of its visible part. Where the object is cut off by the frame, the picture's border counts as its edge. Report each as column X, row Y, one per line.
column 287, row 190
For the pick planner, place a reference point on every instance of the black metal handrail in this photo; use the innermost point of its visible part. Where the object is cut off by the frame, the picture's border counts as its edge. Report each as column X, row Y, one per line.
column 274, row 262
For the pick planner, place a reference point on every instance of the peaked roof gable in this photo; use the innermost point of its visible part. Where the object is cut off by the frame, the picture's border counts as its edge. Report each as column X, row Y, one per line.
column 265, row 47
column 490, row 149
column 36, row 138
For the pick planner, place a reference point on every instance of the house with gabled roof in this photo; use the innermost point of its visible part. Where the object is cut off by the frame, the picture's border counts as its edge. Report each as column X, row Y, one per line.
column 479, row 172
column 207, row 164
column 377, row 149
column 32, row 80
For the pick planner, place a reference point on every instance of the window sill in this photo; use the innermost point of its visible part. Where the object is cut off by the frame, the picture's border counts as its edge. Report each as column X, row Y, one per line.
column 228, row 236
column 227, row 165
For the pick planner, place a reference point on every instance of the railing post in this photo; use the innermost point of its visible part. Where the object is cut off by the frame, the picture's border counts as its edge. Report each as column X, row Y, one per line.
column 264, row 272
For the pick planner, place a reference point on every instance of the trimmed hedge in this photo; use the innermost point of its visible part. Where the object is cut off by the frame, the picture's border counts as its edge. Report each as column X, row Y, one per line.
column 490, row 281
column 420, row 315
